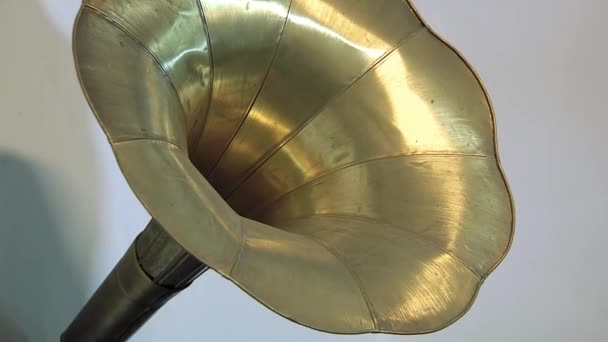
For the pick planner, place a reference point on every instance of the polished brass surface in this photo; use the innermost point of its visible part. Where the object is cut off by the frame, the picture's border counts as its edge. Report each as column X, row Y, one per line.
column 335, row 159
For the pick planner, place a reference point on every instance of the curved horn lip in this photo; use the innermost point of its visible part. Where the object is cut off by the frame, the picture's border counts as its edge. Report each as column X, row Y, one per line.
column 494, row 133
column 233, row 242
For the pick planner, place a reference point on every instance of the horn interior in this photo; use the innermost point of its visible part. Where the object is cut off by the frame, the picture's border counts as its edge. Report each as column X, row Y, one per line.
column 356, row 146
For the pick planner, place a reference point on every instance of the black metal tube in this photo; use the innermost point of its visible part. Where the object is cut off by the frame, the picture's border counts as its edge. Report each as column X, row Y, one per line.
column 152, row 271
column 121, row 305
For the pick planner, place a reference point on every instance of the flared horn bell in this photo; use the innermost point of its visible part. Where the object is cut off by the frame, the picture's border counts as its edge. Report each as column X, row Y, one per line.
column 333, row 158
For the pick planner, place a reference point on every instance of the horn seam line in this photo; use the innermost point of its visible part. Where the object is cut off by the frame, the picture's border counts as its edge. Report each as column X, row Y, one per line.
column 346, row 166
column 199, row 131
column 255, row 98
column 237, row 257
column 154, row 140
column 392, row 226
column 355, row 278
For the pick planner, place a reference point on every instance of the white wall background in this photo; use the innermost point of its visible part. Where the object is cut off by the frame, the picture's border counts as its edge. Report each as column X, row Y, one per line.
column 67, row 215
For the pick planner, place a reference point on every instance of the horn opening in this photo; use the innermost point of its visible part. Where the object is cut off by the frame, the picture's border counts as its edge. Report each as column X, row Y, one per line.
column 335, row 149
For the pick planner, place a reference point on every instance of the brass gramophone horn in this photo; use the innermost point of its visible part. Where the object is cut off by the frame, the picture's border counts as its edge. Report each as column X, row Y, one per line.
column 333, row 158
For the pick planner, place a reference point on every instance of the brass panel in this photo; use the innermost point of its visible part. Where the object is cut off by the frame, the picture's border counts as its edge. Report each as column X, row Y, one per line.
column 285, row 270
column 436, row 287
column 333, row 158
column 143, row 105
column 172, row 31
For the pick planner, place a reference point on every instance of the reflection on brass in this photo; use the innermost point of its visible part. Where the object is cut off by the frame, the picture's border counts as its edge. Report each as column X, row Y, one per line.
column 333, row 158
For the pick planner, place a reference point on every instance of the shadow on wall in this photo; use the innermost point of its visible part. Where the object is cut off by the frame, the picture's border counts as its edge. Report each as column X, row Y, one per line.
column 9, row 332
column 39, row 280
column 50, row 191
